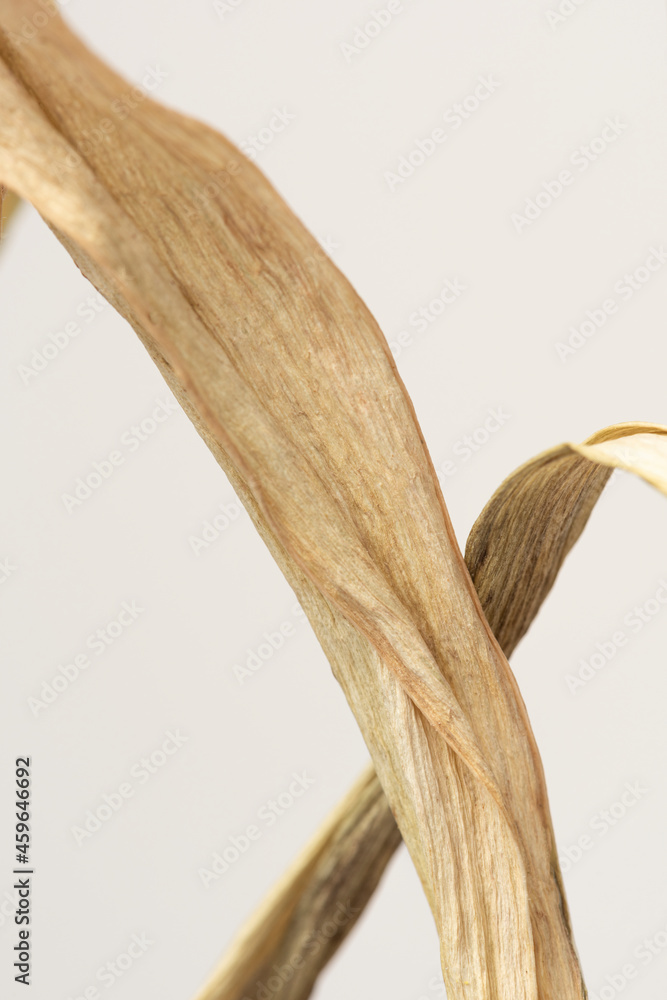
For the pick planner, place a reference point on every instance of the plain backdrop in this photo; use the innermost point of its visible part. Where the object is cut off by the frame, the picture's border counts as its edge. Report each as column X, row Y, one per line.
column 349, row 115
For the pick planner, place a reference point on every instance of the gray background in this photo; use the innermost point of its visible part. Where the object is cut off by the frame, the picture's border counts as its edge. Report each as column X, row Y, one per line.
column 495, row 347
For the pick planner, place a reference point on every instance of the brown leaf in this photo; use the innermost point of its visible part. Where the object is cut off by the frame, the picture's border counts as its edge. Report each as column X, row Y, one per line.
column 291, row 382
column 313, row 908
column 8, row 205
column 518, row 543
column 514, row 552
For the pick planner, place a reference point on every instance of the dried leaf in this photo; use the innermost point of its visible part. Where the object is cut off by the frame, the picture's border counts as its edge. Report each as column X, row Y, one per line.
column 316, row 904
column 515, row 550
column 291, row 382
column 518, row 543
column 8, row 205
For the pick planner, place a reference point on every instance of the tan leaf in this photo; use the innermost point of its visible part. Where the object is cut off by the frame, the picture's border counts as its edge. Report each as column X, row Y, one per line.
column 518, row 543
column 8, row 205
column 291, row 382
column 515, row 550
column 313, row 908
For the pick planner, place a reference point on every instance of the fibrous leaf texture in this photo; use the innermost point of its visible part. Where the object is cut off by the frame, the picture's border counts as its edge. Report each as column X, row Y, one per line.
column 514, row 552
column 289, row 380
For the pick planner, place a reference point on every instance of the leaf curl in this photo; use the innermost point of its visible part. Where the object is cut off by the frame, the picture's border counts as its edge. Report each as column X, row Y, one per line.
column 515, row 550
